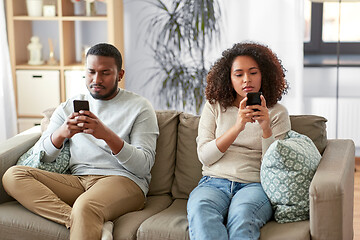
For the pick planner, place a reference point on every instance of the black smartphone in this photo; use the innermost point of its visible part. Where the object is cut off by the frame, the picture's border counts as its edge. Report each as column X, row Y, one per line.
column 81, row 105
column 253, row 99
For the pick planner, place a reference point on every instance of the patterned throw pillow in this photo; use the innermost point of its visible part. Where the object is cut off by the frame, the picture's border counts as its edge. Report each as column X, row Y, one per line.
column 60, row 165
column 287, row 169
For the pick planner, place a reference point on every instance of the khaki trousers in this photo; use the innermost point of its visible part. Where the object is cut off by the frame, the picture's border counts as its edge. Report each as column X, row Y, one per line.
column 81, row 203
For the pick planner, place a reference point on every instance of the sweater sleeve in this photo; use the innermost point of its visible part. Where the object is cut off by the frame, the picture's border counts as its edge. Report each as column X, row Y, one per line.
column 44, row 143
column 208, row 152
column 138, row 156
column 280, row 125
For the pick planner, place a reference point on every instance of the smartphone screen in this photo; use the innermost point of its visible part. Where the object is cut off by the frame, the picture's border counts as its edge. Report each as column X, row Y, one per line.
column 253, row 99
column 81, row 105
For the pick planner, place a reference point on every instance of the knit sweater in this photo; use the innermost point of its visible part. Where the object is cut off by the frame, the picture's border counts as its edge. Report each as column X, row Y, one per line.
column 242, row 160
column 131, row 117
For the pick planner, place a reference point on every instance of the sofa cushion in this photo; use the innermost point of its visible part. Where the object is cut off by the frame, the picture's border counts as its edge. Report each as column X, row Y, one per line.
column 172, row 224
column 11, row 150
column 59, row 165
column 169, row 224
column 312, row 126
column 285, row 231
column 287, row 169
column 126, row 226
column 46, row 119
column 188, row 166
column 162, row 173
column 16, row 222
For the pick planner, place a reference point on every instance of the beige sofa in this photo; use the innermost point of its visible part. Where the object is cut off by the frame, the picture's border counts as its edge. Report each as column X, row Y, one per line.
column 177, row 171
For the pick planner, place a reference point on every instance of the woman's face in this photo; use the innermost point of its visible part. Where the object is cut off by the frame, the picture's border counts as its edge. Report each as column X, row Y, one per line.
column 245, row 76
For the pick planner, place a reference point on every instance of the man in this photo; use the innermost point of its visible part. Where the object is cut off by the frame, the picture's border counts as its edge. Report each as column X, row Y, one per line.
column 112, row 152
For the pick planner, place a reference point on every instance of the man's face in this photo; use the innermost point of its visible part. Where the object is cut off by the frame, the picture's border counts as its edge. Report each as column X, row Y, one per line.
column 102, row 77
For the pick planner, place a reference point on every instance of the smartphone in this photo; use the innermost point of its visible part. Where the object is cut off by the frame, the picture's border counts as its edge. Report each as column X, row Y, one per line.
column 81, row 105
column 253, row 99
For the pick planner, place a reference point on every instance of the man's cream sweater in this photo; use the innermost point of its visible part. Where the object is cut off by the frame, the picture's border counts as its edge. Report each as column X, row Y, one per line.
column 242, row 160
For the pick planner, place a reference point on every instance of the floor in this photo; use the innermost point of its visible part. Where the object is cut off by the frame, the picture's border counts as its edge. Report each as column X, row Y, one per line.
column 357, row 201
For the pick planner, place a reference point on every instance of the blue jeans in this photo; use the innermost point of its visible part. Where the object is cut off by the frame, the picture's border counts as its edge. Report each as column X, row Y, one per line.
column 221, row 209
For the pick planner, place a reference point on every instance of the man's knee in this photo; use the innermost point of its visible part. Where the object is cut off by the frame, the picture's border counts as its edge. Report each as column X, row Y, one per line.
column 11, row 177
column 87, row 208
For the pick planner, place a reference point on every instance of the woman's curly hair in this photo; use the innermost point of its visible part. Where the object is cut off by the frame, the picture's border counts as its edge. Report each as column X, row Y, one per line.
column 273, row 84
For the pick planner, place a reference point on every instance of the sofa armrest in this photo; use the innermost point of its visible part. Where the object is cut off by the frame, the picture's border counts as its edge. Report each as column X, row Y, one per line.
column 12, row 149
column 332, row 192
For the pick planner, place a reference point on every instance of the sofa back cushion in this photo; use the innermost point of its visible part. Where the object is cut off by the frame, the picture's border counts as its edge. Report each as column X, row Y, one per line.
column 46, row 120
column 188, row 166
column 287, row 169
column 177, row 139
column 162, row 173
column 312, row 126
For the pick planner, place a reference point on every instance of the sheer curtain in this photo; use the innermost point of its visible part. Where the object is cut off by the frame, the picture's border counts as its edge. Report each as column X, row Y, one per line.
column 8, row 127
column 278, row 24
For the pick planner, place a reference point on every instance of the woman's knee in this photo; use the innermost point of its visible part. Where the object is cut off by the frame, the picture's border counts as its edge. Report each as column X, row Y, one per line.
column 250, row 208
column 207, row 199
column 198, row 198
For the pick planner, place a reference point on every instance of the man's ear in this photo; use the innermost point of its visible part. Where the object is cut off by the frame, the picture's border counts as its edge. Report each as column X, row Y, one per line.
column 121, row 74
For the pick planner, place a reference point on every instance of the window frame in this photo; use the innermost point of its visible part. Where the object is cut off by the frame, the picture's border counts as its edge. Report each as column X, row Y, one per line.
column 316, row 46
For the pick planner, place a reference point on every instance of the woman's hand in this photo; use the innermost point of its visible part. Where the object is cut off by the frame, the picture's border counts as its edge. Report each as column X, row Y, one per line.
column 244, row 116
column 262, row 116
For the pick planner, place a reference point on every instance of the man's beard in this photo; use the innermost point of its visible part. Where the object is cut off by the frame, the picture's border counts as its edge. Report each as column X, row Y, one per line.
column 107, row 95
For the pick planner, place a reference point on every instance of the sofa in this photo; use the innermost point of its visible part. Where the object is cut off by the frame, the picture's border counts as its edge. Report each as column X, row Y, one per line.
column 177, row 171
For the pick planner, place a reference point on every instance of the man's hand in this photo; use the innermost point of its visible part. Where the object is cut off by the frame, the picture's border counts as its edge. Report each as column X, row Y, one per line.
column 67, row 130
column 91, row 124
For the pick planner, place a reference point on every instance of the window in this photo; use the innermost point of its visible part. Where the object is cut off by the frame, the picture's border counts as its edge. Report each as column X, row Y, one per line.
column 322, row 27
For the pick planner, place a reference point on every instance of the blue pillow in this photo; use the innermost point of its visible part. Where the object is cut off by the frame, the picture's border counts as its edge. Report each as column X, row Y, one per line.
column 287, row 169
column 60, row 165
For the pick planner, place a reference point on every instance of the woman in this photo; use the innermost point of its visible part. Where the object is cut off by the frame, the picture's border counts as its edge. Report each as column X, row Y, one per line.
column 229, row 202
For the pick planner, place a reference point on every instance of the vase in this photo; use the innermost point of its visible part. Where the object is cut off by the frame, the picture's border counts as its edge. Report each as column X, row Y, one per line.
column 90, row 8
column 34, row 7
column 35, row 49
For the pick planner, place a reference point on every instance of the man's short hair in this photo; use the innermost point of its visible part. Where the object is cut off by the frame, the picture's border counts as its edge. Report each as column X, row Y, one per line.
column 106, row 50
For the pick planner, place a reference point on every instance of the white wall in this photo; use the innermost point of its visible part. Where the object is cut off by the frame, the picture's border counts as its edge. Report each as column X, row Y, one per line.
column 320, row 93
column 277, row 23
column 138, row 58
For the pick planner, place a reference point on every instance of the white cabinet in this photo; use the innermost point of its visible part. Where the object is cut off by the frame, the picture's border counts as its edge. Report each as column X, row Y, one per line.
column 75, row 83
column 26, row 123
column 37, row 91
column 69, row 32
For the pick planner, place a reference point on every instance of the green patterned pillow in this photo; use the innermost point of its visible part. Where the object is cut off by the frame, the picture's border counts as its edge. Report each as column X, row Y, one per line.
column 60, row 165
column 287, row 169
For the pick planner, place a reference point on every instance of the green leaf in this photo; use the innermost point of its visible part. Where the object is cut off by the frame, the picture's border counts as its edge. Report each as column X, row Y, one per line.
column 182, row 33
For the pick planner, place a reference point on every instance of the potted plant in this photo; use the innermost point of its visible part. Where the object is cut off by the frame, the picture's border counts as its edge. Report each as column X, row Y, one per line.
column 180, row 36
column 34, row 7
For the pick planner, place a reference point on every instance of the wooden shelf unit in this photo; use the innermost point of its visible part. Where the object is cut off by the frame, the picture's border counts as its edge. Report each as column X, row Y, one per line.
column 20, row 30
